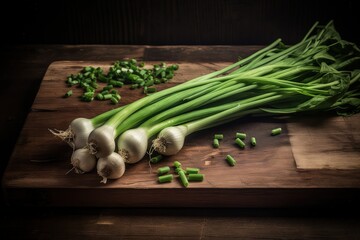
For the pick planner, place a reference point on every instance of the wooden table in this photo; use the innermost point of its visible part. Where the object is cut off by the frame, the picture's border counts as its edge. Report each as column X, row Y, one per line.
column 24, row 66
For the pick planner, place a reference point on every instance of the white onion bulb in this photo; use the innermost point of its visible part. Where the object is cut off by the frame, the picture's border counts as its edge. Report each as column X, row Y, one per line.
column 77, row 133
column 110, row 167
column 83, row 161
column 132, row 145
column 170, row 140
column 101, row 141
column 81, row 128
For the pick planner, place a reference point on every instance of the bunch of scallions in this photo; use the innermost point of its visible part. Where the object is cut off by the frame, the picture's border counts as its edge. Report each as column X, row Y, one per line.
column 320, row 73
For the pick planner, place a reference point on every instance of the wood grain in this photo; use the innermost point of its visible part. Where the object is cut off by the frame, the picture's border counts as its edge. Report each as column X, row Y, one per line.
column 177, row 224
column 332, row 142
column 265, row 176
column 334, row 222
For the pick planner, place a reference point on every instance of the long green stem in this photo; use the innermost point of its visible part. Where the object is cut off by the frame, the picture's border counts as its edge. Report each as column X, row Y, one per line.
column 118, row 118
column 281, row 84
column 290, row 72
column 151, row 110
column 195, row 103
column 211, row 120
column 101, row 118
column 279, row 56
column 239, row 63
column 197, row 114
column 310, row 31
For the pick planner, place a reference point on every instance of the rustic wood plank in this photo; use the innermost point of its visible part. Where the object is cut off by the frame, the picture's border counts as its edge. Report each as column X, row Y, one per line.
column 75, row 223
column 332, row 142
column 264, row 176
column 115, row 223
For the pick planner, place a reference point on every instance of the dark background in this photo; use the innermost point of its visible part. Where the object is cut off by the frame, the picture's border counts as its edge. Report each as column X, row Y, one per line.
column 168, row 22
column 35, row 33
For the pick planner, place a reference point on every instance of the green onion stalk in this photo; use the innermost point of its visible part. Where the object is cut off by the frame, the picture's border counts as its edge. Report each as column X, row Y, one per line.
column 101, row 140
column 171, row 139
column 132, row 145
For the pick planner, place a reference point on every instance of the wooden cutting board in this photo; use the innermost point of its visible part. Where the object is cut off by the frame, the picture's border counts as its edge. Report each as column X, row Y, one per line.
column 315, row 161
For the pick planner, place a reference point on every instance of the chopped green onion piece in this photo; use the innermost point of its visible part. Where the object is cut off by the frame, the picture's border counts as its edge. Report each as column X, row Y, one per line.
column 87, row 69
column 99, row 96
column 175, row 67
column 139, row 81
column 240, row 143
column 242, row 136
column 108, row 87
column 192, row 170
column 196, row 177
column 72, row 83
column 88, row 94
column 150, row 90
column 103, row 79
column 177, row 164
column 149, row 83
column 156, row 159
column 114, row 100
column 116, row 83
column 117, row 96
column 183, row 178
column 163, row 170
column 170, row 76
column 68, row 94
column 89, row 89
column 142, row 72
column 133, row 78
column 216, row 143
column 231, row 161
column 219, row 136
column 107, row 96
column 104, row 92
column 253, row 141
column 165, row 178
column 276, row 131
column 94, row 85
column 134, row 86
column 84, row 84
column 86, row 99
column 178, row 169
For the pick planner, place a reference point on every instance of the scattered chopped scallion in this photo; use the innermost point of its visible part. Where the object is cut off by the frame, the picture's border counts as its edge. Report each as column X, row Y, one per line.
column 231, row 161
column 276, row 131
column 165, row 178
